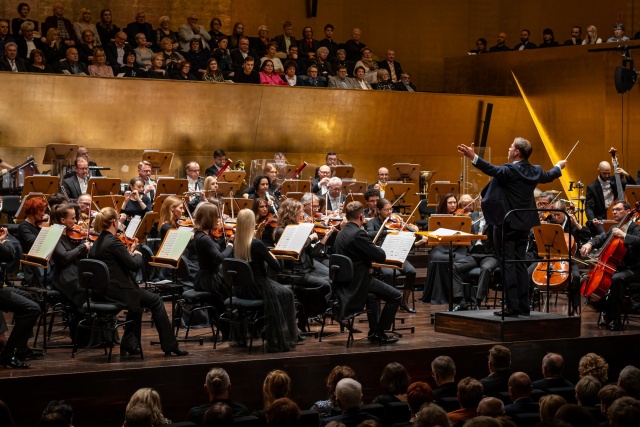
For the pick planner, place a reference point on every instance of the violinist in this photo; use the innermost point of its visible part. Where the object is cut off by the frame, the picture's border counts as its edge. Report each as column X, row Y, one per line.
column 84, row 203
column 171, row 212
column 261, row 186
column 28, row 230
column 371, row 196
column 385, row 211
column 324, row 228
column 209, row 277
column 627, row 272
column 544, row 202
column 122, row 261
column 465, row 205
column 135, row 201
column 314, row 274
column 264, row 221
column 601, row 193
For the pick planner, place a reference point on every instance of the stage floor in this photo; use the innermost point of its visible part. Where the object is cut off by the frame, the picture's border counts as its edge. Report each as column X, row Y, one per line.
column 94, row 386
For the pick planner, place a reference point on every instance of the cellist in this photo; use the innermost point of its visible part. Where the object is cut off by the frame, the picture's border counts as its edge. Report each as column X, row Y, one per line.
column 627, row 272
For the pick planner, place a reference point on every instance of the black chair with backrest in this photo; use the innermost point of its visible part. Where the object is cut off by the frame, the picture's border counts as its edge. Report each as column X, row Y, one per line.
column 526, row 419
column 396, row 412
column 93, row 277
column 309, row 418
column 247, row 314
column 448, row 403
column 193, row 302
column 569, row 393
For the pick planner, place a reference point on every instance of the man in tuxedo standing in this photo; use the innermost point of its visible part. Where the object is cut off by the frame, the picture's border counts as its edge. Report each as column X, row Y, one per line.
column 512, row 188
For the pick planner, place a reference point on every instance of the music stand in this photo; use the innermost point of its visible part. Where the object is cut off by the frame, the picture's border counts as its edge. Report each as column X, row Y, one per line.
column 355, row 197
column 239, row 203
column 294, row 195
column 632, row 194
column 20, row 213
column 439, row 188
column 404, row 172
column 44, row 184
column 236, row 177
column 148, row 221
column 114, row 201
column 225, row 189
column 394, row 190
column 353, row 186
column 101, row 186
column 60, row 155
column 159, row 200
column 295, row 185
column 160, row 161
column 342, row 171
column 172, row 186
column 552, row 246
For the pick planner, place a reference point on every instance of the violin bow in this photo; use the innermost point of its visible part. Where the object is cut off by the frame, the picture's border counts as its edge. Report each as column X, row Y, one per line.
column 381, row 228
column 186, row 208
column 474, row 200
column 412, row 212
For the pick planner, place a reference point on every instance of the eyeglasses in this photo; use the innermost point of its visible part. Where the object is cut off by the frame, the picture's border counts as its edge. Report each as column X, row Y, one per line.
column 194, row 170
column 617, row 209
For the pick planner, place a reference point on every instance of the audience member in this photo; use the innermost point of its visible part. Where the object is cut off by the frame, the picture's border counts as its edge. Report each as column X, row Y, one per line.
column 340, row 80
column 576, row 37
column 629, row 381
column 624, row 412
column 285, row 40
column 443, row 370
column 4, row 35
column 216, row 35
column 336, row 374
column 549, row 405
column 190, row 30
column 276, row 384
column 248, row 74
column 197, row 56
column 353, row 47
column 520, row 394
column 65, row 28
column 618, row 34
column 84, row 23
column 587, row 390
column 268, row 76
column 138, row 416
column 290, row 74
column 469, row 395
column 500, row 370
column 575, row 416
column 143, row 51
column 16, row 23
column 99, row 67
column 482, row 422
column 10, row 61
column 491, row 407
column 236, row 34
column 325, row 69
column 38, row 64
column 328, row 42
column 359, row 80
column 240, row 55
column 481, row 47
column 27, row 43
column 383, row 81
column 341, row 59
column 150, row 399
column 107, row 30
column 500, row 45
column 418, row 394
column 592, row 36
column 370, row 66
column 431, row 415
column 61, row 408
column 313, row 79
column 308, row 46
column 525, row 43
column 218, row 387
column 594, row 365
column 72, row 65
column 140, row 25
column 292, row 55
column 86, row 47
column 547, row 39
column 349, row 399
column 283, row 412
column 53, row 420
column 609, row 394
column 218, row 415
column 271, row 53
column 116, row 51
column 394, row 68
column 394, row 382
column 158, row 69
column 164, row 32
column 552, row 373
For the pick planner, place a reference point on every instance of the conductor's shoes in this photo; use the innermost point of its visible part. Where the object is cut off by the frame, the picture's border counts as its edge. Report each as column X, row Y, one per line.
column 616, row 325
column 507, row 313
column 383, row 338
column 461, row 307
column 14, row 362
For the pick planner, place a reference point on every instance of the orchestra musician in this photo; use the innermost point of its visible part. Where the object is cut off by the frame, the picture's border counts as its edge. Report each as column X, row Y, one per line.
column 261, row 186
column 219, row 159
column 384, row 211
column 601, row 193
column 171, row 213
column 135, row 201
column 627, row 272
column 84, row 152
column 122, row 261
column 84, row 203
column 331, row 159
column 208, row 192
column 320, row 184
column 512, row 187
column 371, row 196
column 264, row 221
column 383, row 177
column 144, row 172
column 35, row 216
column 194, row 181
column 76, row 184
column 353, row 242
column 335, row 198
column 272, row 172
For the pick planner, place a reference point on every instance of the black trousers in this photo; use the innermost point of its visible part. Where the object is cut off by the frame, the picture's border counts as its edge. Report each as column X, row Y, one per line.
column 154, row 303
column 25, row 312
column 514, row 276
column 378, row 290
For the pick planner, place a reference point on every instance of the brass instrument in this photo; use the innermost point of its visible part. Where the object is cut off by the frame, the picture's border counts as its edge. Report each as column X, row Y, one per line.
column 425, row 181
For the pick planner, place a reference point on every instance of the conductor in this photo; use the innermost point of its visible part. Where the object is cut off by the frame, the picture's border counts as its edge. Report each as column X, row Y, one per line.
column 512, row 188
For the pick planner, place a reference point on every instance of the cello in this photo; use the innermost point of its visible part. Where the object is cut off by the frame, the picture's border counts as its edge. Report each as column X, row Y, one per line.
column 613, row 251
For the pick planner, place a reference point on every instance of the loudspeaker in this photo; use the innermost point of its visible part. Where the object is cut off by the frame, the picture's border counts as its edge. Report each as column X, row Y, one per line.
column 625, row 78
column 313, row 8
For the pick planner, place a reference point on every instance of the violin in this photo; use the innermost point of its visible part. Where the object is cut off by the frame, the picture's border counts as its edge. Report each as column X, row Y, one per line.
column 185, row 222
column 78, row 234
column 396, row 223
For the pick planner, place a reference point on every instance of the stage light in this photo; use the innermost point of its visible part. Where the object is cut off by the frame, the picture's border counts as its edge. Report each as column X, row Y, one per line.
column 625, row 77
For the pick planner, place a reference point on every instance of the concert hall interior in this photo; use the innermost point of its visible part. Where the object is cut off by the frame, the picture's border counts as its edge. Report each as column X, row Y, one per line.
column 552, row 97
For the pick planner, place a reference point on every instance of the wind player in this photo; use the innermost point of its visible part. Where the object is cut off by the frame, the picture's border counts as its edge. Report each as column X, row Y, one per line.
column 383, row 177
column 627, row 272
column 76, row 184
column 335, row 198
column 320, row 184
column 219, row 159
column 384, row 211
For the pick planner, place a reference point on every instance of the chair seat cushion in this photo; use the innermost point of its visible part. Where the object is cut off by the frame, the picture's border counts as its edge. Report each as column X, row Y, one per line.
column 248, row 304
column 103, row 307
column 197, row 295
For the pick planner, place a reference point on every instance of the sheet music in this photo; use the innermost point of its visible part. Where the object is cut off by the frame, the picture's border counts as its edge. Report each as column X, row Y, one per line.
column 397, row 246
column 46, row 241
column 174, row 244
column 294, row 238
column 447, row 232
column 132, row 228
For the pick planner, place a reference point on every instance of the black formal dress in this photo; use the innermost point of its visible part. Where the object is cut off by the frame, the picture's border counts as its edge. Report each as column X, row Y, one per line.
column 209, row 277
column 65, row 274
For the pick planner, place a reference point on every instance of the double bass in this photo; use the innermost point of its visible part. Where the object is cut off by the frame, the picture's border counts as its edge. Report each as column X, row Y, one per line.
column 619, row 189
column 613, row 251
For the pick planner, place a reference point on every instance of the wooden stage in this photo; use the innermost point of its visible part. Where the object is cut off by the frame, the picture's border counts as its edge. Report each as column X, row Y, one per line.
column 99, row 390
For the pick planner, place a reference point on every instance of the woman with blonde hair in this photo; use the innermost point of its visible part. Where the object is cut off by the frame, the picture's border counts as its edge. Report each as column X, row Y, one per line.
column 281, row 331
column 84, row 23
column 54, row 51
column 276, row 384
column 549, row 405
column 164, row 31
column 592, row 36
column 594, row 365
column 150, row 399
column 99, row 67
column 171, row 211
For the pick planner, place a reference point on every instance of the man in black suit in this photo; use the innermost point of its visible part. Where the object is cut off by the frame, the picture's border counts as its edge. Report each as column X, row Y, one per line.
column 552, row 370
column 500, row 46
column 4, row 36
column 511, row 188
column 520, row 394
column 443, row 369
column 27, row 40
column 116, row 52
column 10, row 61
column 285, row 40
column 525, row 43
column 576, row 37
column 218, row 386
column 72, row 65
column 219, row 159
column 308, row 46
column 76, row 185
column 353, row 242
column 405, row 83
column 247, row 74
column 328, row 42
column 500, row 370
column 320, row 184
column 239, row 55
column 394, row 68
column 349, row 399
column 628, row 271
column 335, row 198
column 140, row 25
column 601, row 194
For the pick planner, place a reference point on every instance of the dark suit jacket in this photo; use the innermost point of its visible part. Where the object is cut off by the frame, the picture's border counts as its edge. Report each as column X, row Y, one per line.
column 241, row 77
column 496, row 48
column 331, row 45
column 66, row 66
column 333, row 208
column 111, row 50
column 527, row 46
column 396, row 65
column 512, row 188
column 52, row 22
column 496, row 382
column 22, row 46
column 631, row 242
column 65, row 273
column 402, row 87
column 282, row 46
column 134, row 28
column 21, row 64
column 304, row 49
column 524, row 405
column 351, row 418
column 446, row 390
column 547, row 383
column 594, row 204
column 355, row 244
column 237, row 60
column 72, row 187
column 122, row 288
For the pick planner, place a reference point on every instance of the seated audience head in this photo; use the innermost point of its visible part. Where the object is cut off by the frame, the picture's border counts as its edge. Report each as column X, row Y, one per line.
column 6, row 419
column 312, row 71
column 418, row 393
column 587, row 391
column 470, row 392
column 575, row 415
column 61, row 408
column 519, row 386
column 481, row 45
column 395, row 379
column 53, row 420
column 348, row 394
column 150, row 399
column 138, row 416
column 609, row 394
column 267, row 66
column 290, row 68
column 217, row 383
column 218, row 415
column 431, row 415
column 283, row 412
column 338, row 373
column 482, row 421
column 276, row 384
column 594, row 365
column 491, row 407
column 624, row 412
column 383, row 75
column 549, row 405
column 499, row 358
column 629, row 380
column 443, row 369
column 552, row 365
column 547, row 35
